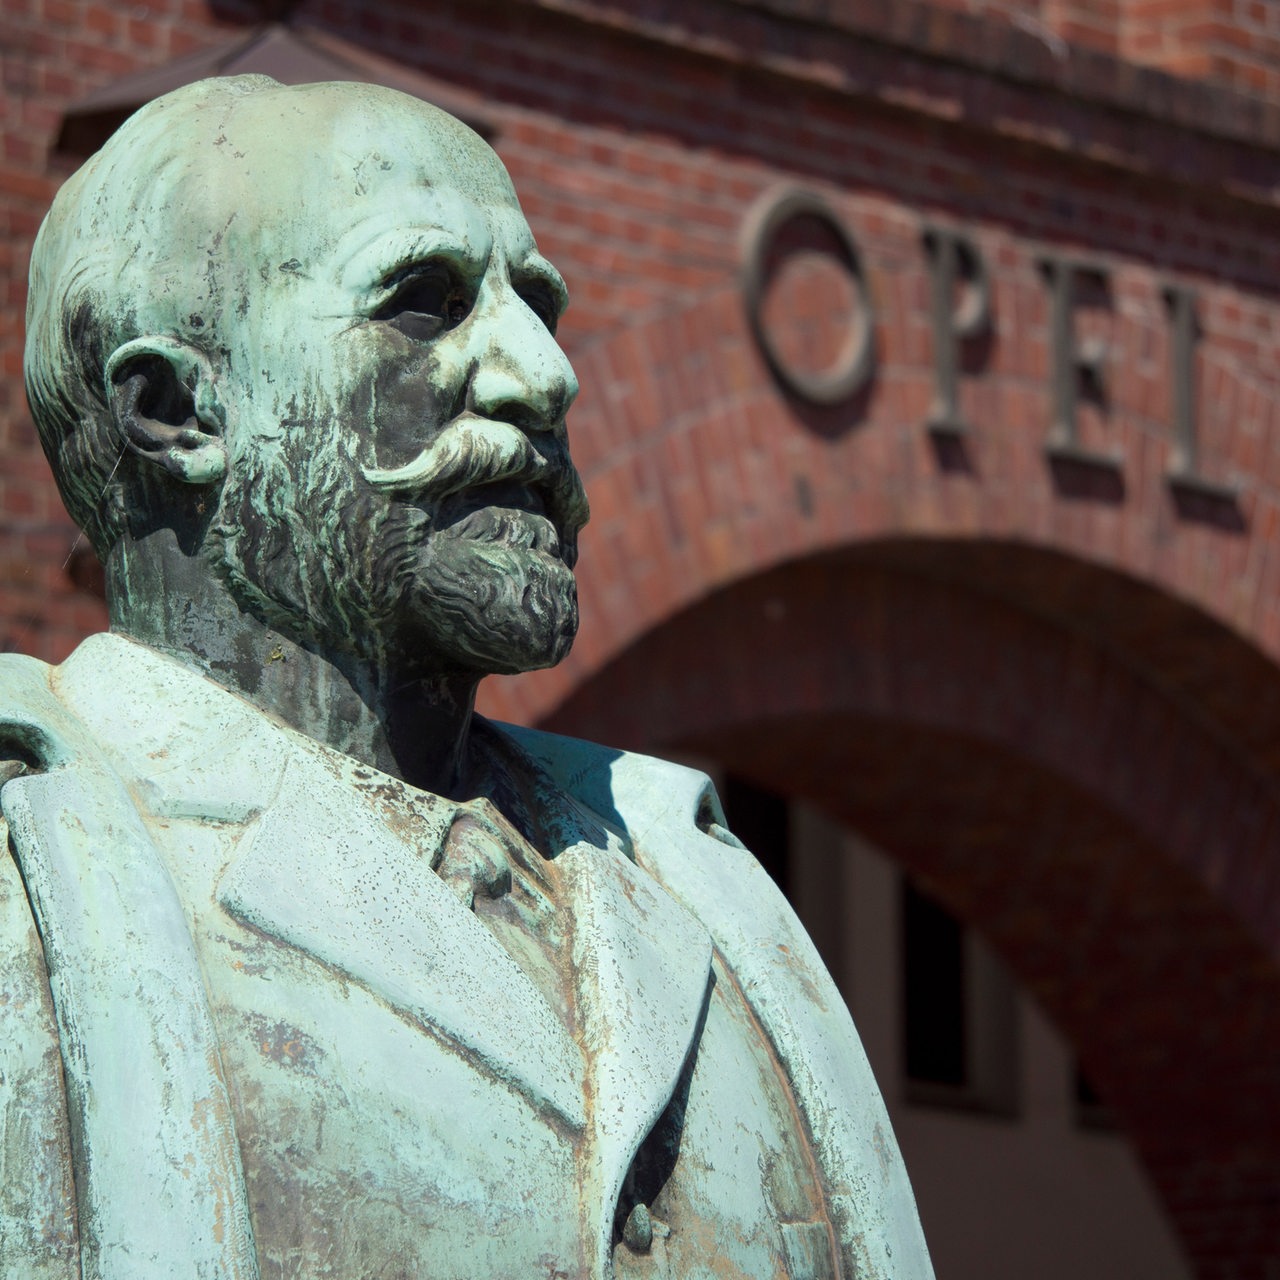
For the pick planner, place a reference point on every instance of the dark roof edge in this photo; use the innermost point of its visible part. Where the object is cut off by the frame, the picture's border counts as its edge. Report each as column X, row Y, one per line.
column 985, row 74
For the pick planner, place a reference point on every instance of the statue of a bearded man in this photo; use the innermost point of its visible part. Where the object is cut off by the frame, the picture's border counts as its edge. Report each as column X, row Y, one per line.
column 308, row 970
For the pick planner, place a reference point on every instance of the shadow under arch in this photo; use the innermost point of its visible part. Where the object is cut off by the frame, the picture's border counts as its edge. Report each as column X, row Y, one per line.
column 1082, row 767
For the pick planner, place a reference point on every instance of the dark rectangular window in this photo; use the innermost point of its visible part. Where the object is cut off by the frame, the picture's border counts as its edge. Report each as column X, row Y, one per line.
column 934, row 1013
column 1091, row 1108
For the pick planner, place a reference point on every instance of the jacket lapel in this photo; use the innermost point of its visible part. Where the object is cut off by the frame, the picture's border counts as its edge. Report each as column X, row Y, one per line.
column 330, row 858
column 370, row 906
column 642, row 969
column 326, row 873
column 642, row 965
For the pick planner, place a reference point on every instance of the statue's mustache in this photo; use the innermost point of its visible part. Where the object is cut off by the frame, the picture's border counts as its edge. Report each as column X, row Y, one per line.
column 474, row 451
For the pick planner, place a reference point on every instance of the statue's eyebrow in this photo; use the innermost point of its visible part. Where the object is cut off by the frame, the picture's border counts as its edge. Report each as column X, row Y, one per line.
column 387, row 257
column 535, row 269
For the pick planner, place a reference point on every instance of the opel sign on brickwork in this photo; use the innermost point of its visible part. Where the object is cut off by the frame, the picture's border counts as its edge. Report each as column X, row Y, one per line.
column 960, row 302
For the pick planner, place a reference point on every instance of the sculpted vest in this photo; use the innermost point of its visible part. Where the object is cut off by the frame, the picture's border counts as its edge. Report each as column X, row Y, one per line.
column 277, row 1041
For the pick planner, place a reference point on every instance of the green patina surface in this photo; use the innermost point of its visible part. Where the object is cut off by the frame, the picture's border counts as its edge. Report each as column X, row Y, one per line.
column 307, row 971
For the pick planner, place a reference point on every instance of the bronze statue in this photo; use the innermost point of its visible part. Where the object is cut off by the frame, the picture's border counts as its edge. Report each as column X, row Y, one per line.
column 309, row 971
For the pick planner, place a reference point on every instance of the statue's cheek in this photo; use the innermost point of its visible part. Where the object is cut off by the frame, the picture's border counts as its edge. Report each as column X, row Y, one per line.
column 409, row 391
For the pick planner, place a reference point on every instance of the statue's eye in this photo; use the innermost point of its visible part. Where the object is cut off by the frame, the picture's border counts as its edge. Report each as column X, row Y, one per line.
column 542, row 301
column 425, row 303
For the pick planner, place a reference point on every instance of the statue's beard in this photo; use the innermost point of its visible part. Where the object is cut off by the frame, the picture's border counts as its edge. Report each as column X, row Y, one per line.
column 488, row 592
column 413, row 587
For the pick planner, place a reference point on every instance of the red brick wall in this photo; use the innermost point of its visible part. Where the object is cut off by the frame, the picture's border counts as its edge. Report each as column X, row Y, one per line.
column 1071, row 651
column 1235, row 42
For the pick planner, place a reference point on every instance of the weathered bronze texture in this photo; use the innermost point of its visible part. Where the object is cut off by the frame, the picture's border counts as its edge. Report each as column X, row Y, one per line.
column 310, row 971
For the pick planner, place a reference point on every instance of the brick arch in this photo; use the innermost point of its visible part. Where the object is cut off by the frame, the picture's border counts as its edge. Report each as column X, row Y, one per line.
column 1104, row 832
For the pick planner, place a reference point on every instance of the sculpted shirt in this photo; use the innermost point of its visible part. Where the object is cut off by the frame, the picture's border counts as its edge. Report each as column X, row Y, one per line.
column 315, row 1022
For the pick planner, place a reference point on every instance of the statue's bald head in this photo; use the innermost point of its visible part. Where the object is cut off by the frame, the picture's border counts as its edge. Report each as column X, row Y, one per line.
column 186, row 218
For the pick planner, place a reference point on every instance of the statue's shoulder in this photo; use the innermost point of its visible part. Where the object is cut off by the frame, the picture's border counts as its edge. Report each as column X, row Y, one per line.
column 37, row 1224
column 673, row 825
column 673, row 818
column 24, row 682
column 38, row 725
column 630, row 790
column 35, row 725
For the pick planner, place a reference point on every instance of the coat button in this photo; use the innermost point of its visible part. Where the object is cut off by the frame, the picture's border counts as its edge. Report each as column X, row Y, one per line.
column 637, row 1234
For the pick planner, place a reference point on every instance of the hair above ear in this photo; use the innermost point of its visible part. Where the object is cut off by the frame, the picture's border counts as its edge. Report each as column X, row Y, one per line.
column 161, row 395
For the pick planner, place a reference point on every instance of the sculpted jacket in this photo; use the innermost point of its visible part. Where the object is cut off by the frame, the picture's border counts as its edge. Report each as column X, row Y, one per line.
column 241, row 1000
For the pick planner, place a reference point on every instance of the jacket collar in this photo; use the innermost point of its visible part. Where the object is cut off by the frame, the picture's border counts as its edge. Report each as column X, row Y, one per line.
column 335, row 860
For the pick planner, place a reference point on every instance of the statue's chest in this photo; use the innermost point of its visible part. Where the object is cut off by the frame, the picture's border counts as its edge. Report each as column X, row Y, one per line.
column 375, row 1144
column 370, row 1148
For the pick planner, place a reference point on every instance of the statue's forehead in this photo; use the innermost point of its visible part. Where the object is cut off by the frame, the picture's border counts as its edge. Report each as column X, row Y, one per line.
column 363, row 173
column 424, row 222
column 351, row 135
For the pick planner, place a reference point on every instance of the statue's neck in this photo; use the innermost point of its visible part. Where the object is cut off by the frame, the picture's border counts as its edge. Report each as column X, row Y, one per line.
column 414, row 729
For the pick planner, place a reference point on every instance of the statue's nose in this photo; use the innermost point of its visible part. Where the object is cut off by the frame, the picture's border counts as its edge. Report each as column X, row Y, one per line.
column 519, row 374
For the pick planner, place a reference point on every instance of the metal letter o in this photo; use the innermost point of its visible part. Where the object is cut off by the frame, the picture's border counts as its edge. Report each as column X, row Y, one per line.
column 852, row 371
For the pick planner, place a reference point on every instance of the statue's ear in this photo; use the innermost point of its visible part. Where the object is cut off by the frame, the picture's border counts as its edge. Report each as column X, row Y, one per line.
column 162, row 398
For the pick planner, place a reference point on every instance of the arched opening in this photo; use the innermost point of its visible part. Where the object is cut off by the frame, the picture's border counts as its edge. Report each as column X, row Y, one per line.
column 1072, row 763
